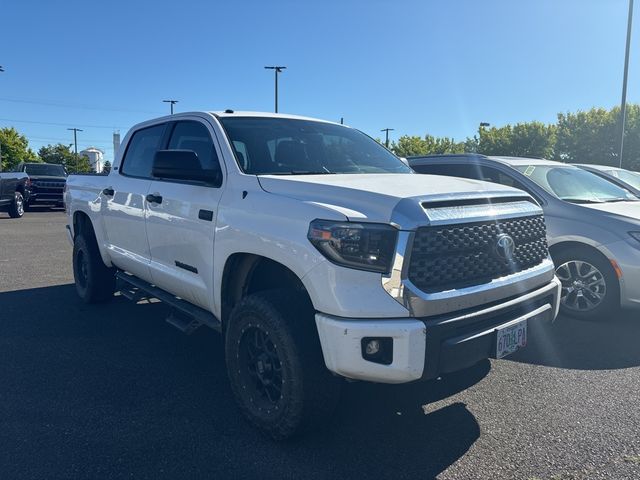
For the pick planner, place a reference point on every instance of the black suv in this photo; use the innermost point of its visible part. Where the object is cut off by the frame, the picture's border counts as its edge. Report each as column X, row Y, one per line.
column 46, row 183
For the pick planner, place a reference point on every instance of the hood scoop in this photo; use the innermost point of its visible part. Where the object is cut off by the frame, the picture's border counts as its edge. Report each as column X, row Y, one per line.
column 478, row 209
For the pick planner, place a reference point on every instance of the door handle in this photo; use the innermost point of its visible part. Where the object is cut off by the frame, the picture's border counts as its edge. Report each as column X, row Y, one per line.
column 154, row 198
column 109, row 192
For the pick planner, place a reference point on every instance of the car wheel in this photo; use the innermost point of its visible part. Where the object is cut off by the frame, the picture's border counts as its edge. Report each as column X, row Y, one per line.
column 95, row 282
column 590, row 287
column 16, row 210
column 275, row 364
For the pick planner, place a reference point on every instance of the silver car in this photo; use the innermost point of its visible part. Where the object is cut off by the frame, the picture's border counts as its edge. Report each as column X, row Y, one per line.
column 621, row 177
column 593, row 226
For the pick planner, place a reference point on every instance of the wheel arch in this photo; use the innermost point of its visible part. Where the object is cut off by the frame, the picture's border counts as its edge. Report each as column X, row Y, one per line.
column 248, row 273
column 572, row 244
column 82, row 223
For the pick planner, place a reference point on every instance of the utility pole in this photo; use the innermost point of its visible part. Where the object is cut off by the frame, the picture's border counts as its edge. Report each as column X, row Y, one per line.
column 341, row 120
column 386, row 131
column 172, row 102
column 75, row 143
column 623, row 104
column 277, row 69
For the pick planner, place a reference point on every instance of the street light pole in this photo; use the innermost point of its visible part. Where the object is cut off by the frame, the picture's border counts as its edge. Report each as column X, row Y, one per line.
column 277, row 69
column 75, row 143
column 172, row 102
column 623, row 104
column 386, row 131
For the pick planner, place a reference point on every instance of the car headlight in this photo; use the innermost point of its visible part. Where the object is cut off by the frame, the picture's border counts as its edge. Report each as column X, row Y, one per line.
column 635, row 235
column 363, row 246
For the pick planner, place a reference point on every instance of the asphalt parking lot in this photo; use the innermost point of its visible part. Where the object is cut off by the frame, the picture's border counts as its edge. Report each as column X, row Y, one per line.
column 113, row 391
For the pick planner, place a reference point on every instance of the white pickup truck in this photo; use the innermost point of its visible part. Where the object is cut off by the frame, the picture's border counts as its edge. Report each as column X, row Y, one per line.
column 317, row 253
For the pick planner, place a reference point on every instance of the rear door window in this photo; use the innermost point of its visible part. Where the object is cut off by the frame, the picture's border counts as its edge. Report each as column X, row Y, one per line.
column 191, row 135
column 138, row 158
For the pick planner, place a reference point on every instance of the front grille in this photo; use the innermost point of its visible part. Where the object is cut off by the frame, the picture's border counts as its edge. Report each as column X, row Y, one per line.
column 50, row 185
column 457, row 256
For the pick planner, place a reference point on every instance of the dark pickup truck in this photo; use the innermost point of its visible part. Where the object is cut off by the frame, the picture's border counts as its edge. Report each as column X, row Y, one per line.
column 13, row 193
column 46, row 183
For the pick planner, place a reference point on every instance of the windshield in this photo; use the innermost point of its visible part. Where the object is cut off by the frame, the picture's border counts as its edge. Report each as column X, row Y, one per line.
column 630, row 178
column 575, row 185
column 45, row 169
column 282, row 146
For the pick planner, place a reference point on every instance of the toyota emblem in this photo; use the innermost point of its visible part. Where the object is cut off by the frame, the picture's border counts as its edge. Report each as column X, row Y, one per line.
column 505, row 247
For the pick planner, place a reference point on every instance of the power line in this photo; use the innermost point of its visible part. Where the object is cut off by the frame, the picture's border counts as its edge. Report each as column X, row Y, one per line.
column 63, row 140
column 111, row 127
column 387, row 130
column 75, row 137
column 172, row 102
column 75, row 105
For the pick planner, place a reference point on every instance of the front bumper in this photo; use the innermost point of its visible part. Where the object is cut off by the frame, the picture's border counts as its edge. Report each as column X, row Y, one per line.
column 627, row 256
column 46, row 198
column 425, row 348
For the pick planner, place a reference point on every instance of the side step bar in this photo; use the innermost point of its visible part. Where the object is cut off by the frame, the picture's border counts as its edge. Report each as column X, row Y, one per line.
column 184, row 316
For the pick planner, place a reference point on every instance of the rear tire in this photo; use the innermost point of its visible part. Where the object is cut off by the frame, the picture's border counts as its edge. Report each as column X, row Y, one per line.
column 16, row 209
column 590, row 286
column 95, row 282
column 275, row 364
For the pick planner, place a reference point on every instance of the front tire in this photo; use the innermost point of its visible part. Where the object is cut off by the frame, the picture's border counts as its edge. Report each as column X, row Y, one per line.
column 590, row 287
column 95, row 282
column 275, row 364
column 16, row 210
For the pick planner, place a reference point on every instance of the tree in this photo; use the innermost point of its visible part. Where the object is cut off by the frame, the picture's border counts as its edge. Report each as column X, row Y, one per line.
column 80, row 164
column 411, row 145
column 14, row 148
column 407, row 146
column 106, row 168
column 631, row 154
column 531, row 139
column 594, row 137
column 59, row 154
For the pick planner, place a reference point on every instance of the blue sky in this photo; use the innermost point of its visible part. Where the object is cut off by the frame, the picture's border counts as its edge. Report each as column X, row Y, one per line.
column 417, row 66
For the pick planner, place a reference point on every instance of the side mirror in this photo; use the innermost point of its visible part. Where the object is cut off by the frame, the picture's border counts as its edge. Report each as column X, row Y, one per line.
column 183, row 165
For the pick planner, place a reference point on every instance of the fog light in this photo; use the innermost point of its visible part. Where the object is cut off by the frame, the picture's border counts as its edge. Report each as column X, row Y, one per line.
column 377, row 349
column 373, row 347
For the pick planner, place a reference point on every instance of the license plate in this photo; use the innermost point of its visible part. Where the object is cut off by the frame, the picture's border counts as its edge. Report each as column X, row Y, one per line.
column 509, row 339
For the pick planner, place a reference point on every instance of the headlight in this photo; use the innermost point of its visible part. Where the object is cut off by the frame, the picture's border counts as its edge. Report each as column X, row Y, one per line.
column 635, row 235
column 364, row 246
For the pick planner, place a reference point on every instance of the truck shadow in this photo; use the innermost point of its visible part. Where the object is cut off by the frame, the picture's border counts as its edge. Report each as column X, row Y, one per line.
column 584, row 345
column 115, row 391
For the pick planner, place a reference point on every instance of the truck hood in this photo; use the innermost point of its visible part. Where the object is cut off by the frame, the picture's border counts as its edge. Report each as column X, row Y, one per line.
column 374, row 197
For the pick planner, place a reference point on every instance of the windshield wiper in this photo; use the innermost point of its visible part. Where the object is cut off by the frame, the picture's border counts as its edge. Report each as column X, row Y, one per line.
column 612, row 200
column 302, row 172
column 580, row 200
